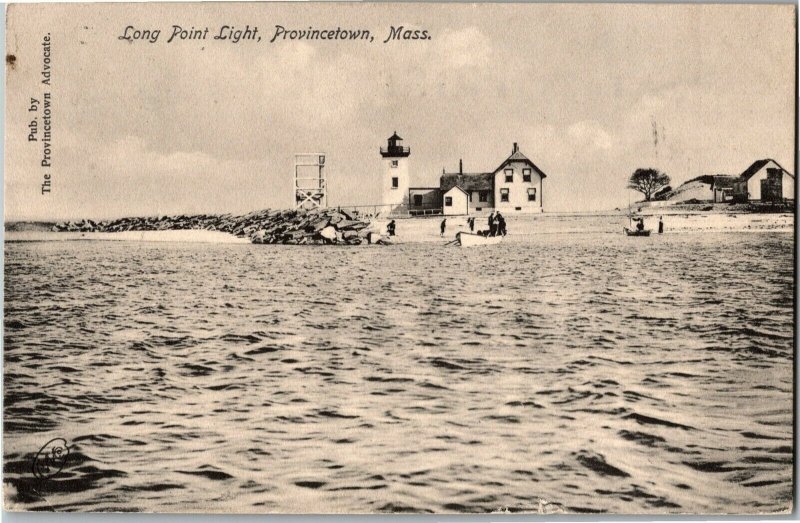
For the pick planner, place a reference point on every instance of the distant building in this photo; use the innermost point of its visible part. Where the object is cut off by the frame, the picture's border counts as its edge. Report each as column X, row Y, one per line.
column 424, row 200
column 765, row 180
column 722, row 187
column 706, row 188
column 515, row 186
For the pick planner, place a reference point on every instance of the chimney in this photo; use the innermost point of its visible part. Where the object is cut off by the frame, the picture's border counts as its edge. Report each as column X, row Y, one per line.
column 460, row 167
column 515, row 149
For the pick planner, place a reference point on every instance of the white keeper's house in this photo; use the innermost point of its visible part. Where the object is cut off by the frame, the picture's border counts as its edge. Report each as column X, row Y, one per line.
column 516, row 186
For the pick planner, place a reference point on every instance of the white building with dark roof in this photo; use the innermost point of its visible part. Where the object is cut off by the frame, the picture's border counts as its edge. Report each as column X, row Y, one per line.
column 514, row 187
column 764, row 180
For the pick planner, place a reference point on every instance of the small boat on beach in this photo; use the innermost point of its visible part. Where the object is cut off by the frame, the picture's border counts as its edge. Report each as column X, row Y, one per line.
column 635, row 232
column 374, row 238
column 466, row 239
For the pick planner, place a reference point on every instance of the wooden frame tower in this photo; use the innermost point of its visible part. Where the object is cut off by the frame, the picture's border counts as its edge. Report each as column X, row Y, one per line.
column 310, row 188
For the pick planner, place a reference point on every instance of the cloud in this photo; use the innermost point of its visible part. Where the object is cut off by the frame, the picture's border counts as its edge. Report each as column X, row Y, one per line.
column 201, row 126
column 590, row 134
column 131, row 154
column 467, row 47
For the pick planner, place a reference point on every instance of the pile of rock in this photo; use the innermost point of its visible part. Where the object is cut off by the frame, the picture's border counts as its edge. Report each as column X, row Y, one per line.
column 299, row 227
column 294, row 227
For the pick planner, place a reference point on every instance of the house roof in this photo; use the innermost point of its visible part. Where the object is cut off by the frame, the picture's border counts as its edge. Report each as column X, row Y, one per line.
column 467, row 181
column 456, row 187
column 716, row 181
column 722, row 181
column 517, row 156
column 757, row 166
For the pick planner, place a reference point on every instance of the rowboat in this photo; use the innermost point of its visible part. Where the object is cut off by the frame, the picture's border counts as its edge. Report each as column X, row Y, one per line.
column 375, row 238
column 634, row 232
column 466, row 239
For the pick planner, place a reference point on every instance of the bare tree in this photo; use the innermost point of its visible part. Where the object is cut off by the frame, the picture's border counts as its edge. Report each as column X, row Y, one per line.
column 648, row 182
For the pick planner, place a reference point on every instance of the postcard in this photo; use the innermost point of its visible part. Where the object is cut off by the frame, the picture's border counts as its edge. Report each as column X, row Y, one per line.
column 399, row 258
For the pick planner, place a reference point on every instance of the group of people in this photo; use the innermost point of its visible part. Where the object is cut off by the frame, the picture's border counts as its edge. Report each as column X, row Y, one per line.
column 496, row 223
column 640, row 224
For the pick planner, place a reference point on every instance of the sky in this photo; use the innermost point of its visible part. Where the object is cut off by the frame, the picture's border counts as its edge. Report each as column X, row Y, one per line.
column 590, row 92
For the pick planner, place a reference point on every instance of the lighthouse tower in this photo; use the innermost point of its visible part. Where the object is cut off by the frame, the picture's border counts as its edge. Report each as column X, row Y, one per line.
column 394, row 179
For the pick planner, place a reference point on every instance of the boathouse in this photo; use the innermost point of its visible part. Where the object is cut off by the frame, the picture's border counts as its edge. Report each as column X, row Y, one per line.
column 765, row 180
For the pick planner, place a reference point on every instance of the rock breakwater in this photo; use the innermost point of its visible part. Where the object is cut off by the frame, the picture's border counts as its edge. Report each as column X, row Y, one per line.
column 292, row 227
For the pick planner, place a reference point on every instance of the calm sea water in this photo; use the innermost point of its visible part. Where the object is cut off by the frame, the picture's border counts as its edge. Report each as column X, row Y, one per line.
column 575, row 373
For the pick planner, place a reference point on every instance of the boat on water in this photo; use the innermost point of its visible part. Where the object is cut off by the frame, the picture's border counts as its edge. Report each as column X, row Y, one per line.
column 636, row 232
column 466, row 239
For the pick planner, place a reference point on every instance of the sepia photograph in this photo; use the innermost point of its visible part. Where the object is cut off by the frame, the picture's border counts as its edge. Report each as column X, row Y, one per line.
column 360, row 258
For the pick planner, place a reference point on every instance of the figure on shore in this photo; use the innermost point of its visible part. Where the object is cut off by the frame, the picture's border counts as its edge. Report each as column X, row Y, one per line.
column 390, row 229
column 471, row 223
column 496, row 231
column 640, row 224
column 501, row 225
column 660, row 224
column 443, row 227
column 492, row 226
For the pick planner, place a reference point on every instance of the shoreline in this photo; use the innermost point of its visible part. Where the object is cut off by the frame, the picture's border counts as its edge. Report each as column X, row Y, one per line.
column 169, row 236
column 426, row 229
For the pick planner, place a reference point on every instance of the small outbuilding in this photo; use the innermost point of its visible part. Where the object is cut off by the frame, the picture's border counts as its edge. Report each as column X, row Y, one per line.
column 455, row 201
column 478, row 186
column 722, row 187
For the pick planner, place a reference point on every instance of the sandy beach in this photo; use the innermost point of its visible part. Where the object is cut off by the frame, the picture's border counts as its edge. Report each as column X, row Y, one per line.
column 184, row 236
column 425, row 230
column 521, row 227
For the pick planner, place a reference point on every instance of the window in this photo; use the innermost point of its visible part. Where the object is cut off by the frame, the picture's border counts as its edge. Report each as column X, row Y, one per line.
column 395, row 182
column 503, row 195
column 417, row 200
column 532, row 194
column 394, row 163
column 526, row 175
column 448, row 201
column 509, row 175
column 483, row 196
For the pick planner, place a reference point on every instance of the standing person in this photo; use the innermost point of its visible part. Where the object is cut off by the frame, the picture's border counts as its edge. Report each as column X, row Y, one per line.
column 443, row 226
column 391, row 228
column 491, row 224
column 640, row 224
column 471, row 223
column 660, row 224
column 501, row 225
